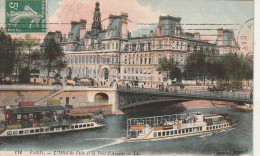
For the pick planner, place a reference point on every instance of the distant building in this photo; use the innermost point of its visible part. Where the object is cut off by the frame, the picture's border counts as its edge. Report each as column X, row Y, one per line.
column 114, row 54
column 226, row 42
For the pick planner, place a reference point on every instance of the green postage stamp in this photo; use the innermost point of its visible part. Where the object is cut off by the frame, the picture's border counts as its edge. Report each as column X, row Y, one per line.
column 25, row 16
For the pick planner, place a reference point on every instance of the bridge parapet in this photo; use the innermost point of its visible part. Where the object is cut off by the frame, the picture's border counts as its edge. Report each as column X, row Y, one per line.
column 128, row 96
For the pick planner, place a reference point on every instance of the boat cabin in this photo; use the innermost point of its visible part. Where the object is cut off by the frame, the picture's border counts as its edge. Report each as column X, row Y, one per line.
column 33, row 116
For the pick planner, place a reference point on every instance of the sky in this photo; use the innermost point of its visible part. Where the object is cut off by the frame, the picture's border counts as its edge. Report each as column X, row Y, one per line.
column 204, row 16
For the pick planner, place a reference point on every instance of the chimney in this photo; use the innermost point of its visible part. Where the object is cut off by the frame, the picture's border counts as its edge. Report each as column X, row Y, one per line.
column 220, row 37
column 197, row 36
column 151, row 32
column 82, row 28
column 111, row 18
column 124, row 30
column 73, row 23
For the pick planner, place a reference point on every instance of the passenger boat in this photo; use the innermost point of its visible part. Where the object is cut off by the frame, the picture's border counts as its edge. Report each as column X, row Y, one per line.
column 244, row 108
column 33, row 120
column 174, row 126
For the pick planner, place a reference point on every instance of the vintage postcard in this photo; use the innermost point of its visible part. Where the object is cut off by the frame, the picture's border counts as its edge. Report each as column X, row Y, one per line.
column 126, row 77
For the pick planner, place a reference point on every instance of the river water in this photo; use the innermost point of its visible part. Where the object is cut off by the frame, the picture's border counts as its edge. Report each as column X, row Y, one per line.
column 234, row 141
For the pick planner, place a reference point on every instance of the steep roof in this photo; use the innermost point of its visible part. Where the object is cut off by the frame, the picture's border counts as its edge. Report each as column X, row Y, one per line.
column 75, row 31
column 169, row 23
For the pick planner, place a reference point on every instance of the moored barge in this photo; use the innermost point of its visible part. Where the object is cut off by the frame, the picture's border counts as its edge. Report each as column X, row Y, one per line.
column 34, row 120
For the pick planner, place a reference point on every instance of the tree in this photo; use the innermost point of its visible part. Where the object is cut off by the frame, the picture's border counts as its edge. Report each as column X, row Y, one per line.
column 24, row 75
column 52, row 58
column 196, row 66
column 30, row 42
column 176, row 73
column 233, row 64
column 7, row 55
column 36, row 60
column 19, row 56
column 166, row 65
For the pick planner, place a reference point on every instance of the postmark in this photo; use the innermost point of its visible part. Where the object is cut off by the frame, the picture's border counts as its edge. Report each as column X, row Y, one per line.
column 245, row 37
column 25, row 16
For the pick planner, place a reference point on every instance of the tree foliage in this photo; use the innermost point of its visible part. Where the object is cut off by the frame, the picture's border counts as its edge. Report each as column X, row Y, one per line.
column 7, row 54
column 228, row 67
column 29, row 43
column 176, row 73
column 196, row 66
column 170, row 67
column 24, row 75
column 52, row 58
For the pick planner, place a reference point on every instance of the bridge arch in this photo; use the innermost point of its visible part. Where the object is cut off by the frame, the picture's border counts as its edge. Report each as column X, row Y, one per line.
column 101, row 98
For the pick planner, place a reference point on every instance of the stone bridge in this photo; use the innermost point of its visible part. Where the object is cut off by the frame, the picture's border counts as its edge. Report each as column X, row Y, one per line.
column 130, row 97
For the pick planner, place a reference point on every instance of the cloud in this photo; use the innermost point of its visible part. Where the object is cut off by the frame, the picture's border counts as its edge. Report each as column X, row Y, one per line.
column 75, row 10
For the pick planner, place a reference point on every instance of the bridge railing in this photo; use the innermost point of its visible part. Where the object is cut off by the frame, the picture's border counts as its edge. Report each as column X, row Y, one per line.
column 222, row 95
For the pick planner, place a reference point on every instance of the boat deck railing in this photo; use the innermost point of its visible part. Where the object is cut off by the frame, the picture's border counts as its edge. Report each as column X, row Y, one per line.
column 49, row 124
column 160, row 119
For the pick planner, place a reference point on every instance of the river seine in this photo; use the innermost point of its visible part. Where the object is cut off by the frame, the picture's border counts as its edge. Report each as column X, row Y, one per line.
column 107, row 140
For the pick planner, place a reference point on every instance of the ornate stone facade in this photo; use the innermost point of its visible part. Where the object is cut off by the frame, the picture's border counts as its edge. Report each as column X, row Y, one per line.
column 114, row 54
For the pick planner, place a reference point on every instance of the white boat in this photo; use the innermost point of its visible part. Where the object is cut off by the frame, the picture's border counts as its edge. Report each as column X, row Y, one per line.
column 244, row 108
column 17, row 127
column 175, row 126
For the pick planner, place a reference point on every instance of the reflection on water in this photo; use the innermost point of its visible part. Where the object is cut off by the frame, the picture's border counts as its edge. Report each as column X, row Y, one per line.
column 236, row 140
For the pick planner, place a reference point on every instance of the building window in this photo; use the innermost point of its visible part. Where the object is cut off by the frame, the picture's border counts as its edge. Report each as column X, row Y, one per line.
column 160, row 44
column 76, row 60
column 90, row 59
column 94, row 59
column 98, row 59
column 150, row 60
column 141, row 60
column 112, row 59
column 83, row 59
column 142, row 47
column 71, row 59
column 79, row 59
column 87, row 59
column 134, row 47
column 149, row 46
